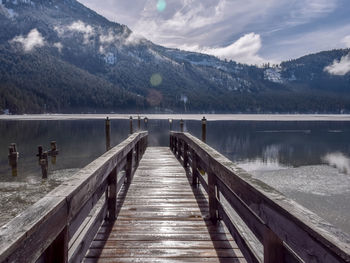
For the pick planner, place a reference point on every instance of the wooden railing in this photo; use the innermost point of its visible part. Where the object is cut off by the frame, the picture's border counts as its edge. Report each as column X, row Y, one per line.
column 287, row 231
column 61, row 226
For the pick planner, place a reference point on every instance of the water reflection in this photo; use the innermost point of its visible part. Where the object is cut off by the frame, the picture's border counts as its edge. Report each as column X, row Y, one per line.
column 294, row 157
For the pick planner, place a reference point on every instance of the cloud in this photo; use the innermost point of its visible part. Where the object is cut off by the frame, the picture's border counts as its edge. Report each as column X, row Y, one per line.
column 346, row 41
column 339, row 67
column 33, row 40
column 80, row 27
column 59, row 46
column 207, row 24
column 244, row 50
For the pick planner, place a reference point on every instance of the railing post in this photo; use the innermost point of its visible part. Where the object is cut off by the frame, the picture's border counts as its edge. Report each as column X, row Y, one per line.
column 139, row 123
column 194, row 169
column 131, row 129
column 170, row 124
column 273, row 247
column 204, row 129
column 128, row 169
column 112, row 195
column 182, row 125
column 57, row 252
column 212, row 193
column 137, row 152
column 108, row 134
column 178, row 148
column 185, row 154
column 13, row 158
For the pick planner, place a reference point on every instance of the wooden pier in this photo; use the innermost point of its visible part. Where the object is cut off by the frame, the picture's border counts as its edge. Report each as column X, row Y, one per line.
column 186, row 203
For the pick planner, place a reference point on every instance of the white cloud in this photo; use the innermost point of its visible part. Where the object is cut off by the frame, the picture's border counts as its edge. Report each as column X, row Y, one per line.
column 108, row 39
column 339, row 67
column 244, row 50
column 214, row 23
column 59, row 46
column 346, row 41
column 80, row 27
column 33, row 40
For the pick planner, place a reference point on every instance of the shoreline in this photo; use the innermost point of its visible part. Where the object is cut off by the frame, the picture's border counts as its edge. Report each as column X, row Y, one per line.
column 209, row 117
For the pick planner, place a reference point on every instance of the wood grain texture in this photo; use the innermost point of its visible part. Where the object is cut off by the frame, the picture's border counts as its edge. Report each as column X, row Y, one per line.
column 162, row 219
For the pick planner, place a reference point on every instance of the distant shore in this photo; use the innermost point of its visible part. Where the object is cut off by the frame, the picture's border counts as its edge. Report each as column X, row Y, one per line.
column 209, row 117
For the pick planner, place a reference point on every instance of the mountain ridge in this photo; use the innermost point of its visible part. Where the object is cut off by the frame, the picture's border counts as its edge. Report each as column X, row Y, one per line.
column 132, row 73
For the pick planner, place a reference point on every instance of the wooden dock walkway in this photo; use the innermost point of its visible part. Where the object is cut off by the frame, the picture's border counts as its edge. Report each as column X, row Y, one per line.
column 186, row 203
column 162, row 219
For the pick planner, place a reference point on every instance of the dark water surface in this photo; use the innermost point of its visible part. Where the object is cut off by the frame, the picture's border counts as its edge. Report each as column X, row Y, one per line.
column 307, row 161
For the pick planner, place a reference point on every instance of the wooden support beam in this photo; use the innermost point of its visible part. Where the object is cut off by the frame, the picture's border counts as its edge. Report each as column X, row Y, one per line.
column 57, row 252
column 273, row 248
column 128, row 168
column 112, row 195
column 212, row 193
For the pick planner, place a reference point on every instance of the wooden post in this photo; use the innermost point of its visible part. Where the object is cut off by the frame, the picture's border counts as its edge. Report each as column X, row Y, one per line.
column 108, row 134
column 44, row 165
column 128, row 169
column 112, row 195
column 139, row 123
column 273, row 247
column 204, row 129
column 137, row 150
column 185, row 153
column 182, row 125
column 170, row 124
column 57, row 252
column 131, row 129
column 178, row 147
column 13, row 158
column 194, row 169
column 40, row 153
column 54, row 152
column 212, row 193
column 146, row 123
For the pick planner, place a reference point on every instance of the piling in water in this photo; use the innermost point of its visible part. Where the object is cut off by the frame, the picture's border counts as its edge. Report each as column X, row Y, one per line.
column 204, row 129
column 13, row 158
column 131, row 129
column 44, row 165
column 146, row 123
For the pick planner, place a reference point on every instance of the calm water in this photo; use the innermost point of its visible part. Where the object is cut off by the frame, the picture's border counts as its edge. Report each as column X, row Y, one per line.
column 307, row 161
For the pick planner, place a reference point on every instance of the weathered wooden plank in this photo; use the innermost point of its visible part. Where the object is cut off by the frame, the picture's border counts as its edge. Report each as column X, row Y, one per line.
column 162, row 217
column 165, row 253
column 164, row 260
column 85, row 239
column 182, row 244
column 27, row 236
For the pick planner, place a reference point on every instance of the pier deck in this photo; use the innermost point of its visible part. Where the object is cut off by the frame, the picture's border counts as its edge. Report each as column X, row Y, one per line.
column 162, row 219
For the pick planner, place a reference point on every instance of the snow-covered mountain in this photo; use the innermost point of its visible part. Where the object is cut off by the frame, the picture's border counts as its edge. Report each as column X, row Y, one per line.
column 69, row 58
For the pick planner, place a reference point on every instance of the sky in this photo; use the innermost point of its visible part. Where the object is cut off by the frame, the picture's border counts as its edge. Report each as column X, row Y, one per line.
column 247, row 31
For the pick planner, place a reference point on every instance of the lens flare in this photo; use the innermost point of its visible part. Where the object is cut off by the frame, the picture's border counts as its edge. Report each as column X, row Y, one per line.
column 156, row 80
column 161, row 5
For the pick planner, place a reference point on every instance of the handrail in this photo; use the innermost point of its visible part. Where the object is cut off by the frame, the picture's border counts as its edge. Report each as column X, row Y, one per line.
column 288, row 231
column 44, row 231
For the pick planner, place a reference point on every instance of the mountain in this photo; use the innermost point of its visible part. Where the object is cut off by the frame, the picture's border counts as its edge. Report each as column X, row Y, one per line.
column 59, row 56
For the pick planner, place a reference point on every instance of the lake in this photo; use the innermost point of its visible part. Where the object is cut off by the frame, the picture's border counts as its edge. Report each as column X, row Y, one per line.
column 307, row 160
